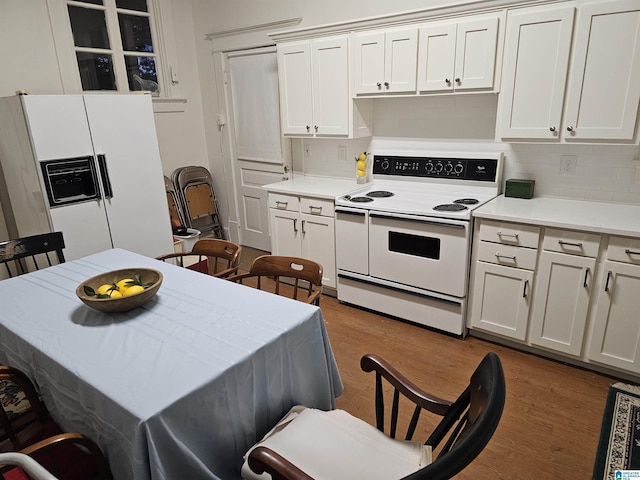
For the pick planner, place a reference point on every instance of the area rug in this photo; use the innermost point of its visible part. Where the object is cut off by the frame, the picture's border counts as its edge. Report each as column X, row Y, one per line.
column 619, row 444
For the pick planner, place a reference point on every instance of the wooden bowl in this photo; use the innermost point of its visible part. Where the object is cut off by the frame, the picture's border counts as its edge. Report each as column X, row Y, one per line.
column 120, row 304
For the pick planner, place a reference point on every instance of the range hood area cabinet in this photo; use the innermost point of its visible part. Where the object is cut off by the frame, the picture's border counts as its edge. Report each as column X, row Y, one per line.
column 129, row 208
column 567, row 84
column 315, row 90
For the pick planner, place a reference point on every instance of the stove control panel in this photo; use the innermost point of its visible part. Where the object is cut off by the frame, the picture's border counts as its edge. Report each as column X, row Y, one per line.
column 477, row 169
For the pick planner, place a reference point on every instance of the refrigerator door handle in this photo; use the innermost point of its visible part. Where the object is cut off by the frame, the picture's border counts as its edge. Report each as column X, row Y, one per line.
column 104, row 174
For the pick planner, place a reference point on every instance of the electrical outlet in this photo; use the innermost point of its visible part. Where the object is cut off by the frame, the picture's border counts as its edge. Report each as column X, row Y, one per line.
column 306, row 150
column 342, row 154
column 568, row 164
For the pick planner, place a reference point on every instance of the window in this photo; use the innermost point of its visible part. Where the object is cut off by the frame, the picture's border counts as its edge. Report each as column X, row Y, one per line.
column 114, row 44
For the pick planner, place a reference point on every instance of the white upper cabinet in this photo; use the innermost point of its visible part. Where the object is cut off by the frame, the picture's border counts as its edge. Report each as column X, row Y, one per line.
column 458, row 56
column 385, row 61
column 315, row 98
column 591, row 96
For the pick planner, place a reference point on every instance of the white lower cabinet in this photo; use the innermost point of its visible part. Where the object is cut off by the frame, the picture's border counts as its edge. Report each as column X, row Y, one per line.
column 564, row 287
column 615, row 339
column 304, row 227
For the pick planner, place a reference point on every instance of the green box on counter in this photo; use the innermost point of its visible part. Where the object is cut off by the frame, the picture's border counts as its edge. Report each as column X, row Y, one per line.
column 519, row 188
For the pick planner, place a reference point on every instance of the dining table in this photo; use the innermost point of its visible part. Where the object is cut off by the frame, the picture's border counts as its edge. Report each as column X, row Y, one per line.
column 178, row 388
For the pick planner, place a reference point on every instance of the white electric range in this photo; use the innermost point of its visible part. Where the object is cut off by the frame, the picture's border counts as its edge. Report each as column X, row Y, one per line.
column 403, row 243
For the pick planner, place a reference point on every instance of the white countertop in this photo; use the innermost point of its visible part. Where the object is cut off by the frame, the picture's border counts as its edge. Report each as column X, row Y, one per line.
column 315, row 186
column 601, row 217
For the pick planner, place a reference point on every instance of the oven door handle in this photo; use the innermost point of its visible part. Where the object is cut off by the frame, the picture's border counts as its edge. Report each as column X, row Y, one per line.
column 351, row 212
column 418, row 220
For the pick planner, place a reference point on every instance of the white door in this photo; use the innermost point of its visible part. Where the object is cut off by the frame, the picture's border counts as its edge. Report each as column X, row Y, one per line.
column 536, row 59
column 123, row 130
column 604, row 89
column 436, row 57
column 475, row 54
column 501, row 300
column 330, row 68
column 256, row 149
column 563, row 291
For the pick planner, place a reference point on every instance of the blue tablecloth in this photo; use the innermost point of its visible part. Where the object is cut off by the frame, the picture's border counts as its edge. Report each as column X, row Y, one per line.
column 179, row 388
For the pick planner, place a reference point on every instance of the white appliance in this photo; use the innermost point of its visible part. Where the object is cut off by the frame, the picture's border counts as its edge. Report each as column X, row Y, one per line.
column 88, row 166
column 403, row 243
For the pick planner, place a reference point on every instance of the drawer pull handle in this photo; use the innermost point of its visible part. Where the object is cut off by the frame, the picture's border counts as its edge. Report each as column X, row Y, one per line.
column 606, row 285
column 313, row 207
column 570, row 244
column 586, row 276
column 295, row 225
column 513, row 235
column 631, row 252
column 509, row 257
column 524, row 290
column 281, row 204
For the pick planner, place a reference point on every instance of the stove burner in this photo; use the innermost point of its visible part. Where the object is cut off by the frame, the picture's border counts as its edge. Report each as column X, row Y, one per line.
column 361, row 199
column 379, row 194
column 467, row 201
column 450, row 207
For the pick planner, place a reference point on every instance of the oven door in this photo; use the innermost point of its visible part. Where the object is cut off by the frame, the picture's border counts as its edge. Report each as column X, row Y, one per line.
column 422, row 252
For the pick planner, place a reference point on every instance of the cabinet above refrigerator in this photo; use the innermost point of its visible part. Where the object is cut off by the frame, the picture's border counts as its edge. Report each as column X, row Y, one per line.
column 86, row 165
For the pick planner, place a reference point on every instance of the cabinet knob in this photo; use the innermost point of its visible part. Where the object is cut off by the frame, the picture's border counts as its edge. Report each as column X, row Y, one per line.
column 552, row 129
column 315, row 127
column 447, row 81
column 379, row 84
column 308, row 128
column 386, row 84
column 458, row 80
column 569, row 128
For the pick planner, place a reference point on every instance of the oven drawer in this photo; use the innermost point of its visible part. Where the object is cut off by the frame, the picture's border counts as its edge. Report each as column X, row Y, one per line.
column 316, row 206
column 284, row 202
column 624, row 249
column 509, row 233
column 507, row 255
column 575, row 243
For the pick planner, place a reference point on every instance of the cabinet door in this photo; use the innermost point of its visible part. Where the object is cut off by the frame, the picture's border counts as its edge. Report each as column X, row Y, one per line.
column 368, row 62
column 436, row 57
column 501, row 300
column 294, row 77
column 285, row 232
column 536, row 59
column 475, row 58
column 401, row 52
column 561, row 303
column 318, row 244
column 330, row 59
column 616, row 333
column 604, row 89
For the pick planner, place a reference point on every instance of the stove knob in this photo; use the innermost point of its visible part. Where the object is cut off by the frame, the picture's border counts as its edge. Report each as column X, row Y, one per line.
column 429, row 167
column 385, row 164
column 439, row 167
column 448, row 168
column 458, row 168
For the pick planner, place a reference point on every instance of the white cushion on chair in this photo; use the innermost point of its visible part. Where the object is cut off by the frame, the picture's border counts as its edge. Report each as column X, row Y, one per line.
column 335, row 445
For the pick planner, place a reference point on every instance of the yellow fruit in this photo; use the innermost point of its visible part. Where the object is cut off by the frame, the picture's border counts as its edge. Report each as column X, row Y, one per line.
column 361, row 173
column 362, row 157
column 361, row 165
column 105, row 289
column 132, row 290
column 114, row 294
column 122, row 284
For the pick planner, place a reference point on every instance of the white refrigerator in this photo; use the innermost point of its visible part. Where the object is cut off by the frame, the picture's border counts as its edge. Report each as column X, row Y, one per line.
column 86, row 165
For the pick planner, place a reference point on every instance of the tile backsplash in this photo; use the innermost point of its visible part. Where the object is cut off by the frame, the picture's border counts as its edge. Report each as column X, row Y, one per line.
column 459, row 123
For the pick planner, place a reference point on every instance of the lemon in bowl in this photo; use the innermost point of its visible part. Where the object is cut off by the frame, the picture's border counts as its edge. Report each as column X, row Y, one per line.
column 120, row 290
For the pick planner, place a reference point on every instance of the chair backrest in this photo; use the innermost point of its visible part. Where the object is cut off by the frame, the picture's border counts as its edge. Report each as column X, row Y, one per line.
column 297, row 278
column 214, row 256
column 31, row 253
column 467, row 424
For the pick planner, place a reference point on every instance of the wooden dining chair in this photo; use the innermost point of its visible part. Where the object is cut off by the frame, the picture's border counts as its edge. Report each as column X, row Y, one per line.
column 26, row 254
column 294, row 277
column 67, row 456
column 214, row 256
column 310, row 443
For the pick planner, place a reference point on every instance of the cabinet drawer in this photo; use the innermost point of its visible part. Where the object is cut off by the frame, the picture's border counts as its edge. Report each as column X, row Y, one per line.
column 576, row 243
column 317, row 206
column 507, row 255
column 284, row 202
column 624, row 249
column 510, row 233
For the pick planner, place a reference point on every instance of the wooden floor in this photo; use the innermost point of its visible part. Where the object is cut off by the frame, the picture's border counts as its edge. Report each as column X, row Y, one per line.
column 551, row 421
